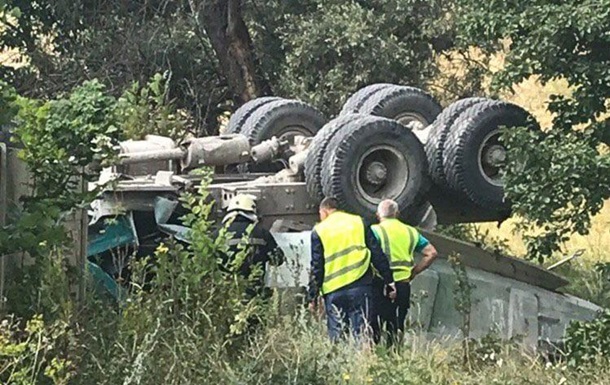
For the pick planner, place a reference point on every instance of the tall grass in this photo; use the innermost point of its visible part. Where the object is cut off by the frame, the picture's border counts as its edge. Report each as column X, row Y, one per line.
column 291, row 350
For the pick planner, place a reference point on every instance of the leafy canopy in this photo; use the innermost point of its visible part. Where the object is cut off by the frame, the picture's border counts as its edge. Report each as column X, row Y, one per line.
column 318, row 51
column 332, row 48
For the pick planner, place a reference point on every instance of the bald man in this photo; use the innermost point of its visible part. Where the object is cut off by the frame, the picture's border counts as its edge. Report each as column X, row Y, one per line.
column 399, row 242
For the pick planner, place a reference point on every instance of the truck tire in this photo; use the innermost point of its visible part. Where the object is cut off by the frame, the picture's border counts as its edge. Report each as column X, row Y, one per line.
column 410, row 106
column 473, row 153
column 371, row 159
column 283, row 119
column 239, row 117
column 315, row 153
column 438, row 134
column 424, row 217
column 355, row 102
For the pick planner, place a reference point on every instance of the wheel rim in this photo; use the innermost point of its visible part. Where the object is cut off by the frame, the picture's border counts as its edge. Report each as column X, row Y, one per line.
column 416, row 123
column 382, row 173
column 491, row 158
column 288, row 134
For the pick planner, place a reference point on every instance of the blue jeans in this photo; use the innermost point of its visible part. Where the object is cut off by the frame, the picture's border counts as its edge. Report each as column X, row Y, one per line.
column 349, row 309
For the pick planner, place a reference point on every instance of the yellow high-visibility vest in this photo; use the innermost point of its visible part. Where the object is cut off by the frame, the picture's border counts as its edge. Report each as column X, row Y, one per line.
column 398, row 242
column 346, row 257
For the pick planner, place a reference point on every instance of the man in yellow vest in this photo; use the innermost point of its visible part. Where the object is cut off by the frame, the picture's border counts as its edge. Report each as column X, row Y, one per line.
column 399, row 242
column 343, row 251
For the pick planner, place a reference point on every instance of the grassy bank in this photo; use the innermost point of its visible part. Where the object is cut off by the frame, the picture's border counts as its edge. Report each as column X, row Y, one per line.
column 105, row 347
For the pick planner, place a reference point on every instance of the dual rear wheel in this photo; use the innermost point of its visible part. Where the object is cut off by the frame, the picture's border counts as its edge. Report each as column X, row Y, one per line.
column 395, row 142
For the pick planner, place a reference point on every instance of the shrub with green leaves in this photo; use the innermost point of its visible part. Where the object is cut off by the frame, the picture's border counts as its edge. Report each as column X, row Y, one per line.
column 8, row 109
column 59, row 139
column 34, row 354
column 322, row 51
column 147, row 110
column 589, row 342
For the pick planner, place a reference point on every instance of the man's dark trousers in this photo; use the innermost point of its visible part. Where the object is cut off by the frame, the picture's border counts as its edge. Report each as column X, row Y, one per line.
column 349, row 308
column 390, row 315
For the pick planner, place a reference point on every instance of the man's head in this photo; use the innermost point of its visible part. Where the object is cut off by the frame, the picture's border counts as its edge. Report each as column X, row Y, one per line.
column 387, row 209
column 242, row 202
column 327, row 207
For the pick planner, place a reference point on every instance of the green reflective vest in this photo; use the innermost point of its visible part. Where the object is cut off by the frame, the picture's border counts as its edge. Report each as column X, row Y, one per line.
column 346, row 257
column 398, row 242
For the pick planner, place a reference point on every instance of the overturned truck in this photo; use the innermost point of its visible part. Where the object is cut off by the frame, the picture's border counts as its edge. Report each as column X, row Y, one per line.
column 442, row 166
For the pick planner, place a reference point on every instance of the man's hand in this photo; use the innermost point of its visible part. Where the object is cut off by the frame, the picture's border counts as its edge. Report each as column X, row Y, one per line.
column 390, row 291
column 313, row 307
column 316, row 307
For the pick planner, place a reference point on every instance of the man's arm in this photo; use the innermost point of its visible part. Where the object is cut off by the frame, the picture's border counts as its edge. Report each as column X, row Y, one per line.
column 378, row 257
column 317, row 267
column 429, row 252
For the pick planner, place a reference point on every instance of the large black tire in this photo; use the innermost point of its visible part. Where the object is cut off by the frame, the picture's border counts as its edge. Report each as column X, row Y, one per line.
column 282, row 119
column 315, row 153
column 475, row 133
column 351, row 161
column 239, row 117
column 438, row 134
column 355, row 102
column 423, row 216
column 410, row 106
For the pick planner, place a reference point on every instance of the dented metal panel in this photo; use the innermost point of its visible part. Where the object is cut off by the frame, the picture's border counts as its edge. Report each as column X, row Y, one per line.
column 496, row 263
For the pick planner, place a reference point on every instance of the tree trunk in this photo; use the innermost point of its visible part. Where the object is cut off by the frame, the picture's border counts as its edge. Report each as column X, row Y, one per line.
column 224, row 25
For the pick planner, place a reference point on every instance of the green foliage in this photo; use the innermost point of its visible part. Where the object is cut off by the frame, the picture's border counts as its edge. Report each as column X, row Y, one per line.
column 63, row 142
column 572, row 169
column 147, row 111
column 119, row 43
column 462, row 294
column 588, row 342
column 319, row 51
column 34, row 354
column 63, row 136
column 8, row 108
column 59, row 139
column 332, row 48
column 588, row 281
column 186, row 317
column 6, row 12
column 564, row 178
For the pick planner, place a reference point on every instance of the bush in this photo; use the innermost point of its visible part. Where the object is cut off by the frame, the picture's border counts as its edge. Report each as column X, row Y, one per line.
column 589, row 342
column 34, row 354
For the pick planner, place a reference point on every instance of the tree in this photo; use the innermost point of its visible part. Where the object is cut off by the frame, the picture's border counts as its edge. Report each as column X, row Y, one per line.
column 223, row 53
column 117, row 42
column 328, row 49
column 224, row 25
column 562, row 177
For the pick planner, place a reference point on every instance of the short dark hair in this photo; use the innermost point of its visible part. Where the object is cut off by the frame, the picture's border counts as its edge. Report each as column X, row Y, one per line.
column 329, row 203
